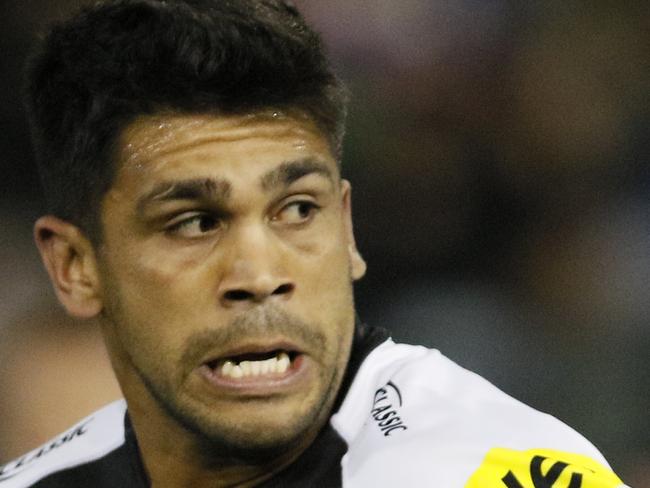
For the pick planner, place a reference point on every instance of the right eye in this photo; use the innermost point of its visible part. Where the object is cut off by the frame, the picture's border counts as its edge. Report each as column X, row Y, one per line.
column 194, row 225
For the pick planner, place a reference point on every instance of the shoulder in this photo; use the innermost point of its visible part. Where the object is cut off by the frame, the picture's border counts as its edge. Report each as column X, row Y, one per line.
column 432, row 393
column 413, row 407
column 90, row 439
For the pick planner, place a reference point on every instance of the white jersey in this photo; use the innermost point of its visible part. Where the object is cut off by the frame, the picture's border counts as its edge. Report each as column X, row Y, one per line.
column 412, row 417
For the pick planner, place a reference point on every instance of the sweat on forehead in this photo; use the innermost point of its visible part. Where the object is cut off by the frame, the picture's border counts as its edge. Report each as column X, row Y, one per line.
column 150, row 136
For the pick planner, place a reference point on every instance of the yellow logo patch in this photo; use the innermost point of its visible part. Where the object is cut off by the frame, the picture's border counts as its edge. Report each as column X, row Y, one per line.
column 541, row 468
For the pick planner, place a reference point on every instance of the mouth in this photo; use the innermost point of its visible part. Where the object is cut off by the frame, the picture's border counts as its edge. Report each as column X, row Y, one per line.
column 258, row 370
column 275, row 363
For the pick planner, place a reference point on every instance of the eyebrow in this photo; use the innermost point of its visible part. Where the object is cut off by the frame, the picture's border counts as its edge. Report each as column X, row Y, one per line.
column 291, row 171
column 220, row 189
column 191, row 189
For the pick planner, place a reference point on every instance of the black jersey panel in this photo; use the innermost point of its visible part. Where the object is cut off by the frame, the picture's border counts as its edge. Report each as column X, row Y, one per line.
column 111, row 471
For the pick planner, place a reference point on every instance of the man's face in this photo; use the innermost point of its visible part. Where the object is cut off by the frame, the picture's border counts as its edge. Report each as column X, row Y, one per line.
column 226, row 274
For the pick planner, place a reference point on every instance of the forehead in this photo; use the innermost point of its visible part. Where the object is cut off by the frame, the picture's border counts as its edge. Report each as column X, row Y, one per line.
column 176, row 141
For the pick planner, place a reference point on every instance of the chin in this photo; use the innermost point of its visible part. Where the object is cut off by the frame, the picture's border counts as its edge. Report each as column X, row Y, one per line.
column 252, row 438
column 252, row 430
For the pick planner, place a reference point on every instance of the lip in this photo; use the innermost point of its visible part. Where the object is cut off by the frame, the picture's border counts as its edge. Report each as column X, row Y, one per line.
column 262, row 385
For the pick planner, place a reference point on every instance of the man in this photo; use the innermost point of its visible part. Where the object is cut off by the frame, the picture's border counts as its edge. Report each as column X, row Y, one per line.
column 190, row 151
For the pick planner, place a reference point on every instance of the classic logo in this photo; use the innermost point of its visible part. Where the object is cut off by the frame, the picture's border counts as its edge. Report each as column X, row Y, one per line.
column 541, row 468
column 17, row 466
column 385, row 409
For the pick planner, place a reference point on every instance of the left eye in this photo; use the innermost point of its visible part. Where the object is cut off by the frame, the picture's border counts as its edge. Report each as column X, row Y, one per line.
column 197, row 225
column 297, row 212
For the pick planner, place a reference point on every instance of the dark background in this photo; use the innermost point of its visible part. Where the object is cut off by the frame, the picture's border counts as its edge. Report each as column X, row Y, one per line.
column 498, row 152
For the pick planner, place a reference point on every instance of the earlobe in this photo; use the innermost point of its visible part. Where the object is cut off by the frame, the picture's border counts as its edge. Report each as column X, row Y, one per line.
column 357, row 263
column 70, row 261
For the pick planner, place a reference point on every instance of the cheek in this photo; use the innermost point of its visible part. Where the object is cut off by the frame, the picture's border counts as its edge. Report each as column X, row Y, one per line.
column 151, row 276
column 152, row 303
column 327, row 297
column 325, row 243
column 327, row 269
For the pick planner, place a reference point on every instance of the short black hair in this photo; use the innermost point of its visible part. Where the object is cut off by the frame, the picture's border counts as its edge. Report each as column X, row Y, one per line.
column 95, row 73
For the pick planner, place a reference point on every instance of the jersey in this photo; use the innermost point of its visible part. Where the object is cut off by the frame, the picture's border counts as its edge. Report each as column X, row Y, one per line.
column 406, row 416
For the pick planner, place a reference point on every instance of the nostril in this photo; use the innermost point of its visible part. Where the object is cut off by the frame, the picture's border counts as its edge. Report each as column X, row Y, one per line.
column 238, row 295
column 283, row 289
column 245, row 295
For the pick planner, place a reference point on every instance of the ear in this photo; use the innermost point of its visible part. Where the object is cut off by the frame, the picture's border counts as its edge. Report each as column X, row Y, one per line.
column 357, row 263
column 70, row 261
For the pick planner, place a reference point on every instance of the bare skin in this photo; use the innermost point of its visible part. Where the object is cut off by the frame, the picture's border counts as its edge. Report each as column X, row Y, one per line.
column 224, row 287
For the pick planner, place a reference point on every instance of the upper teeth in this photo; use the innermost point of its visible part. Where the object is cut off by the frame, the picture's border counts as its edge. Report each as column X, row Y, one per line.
column 277, row 364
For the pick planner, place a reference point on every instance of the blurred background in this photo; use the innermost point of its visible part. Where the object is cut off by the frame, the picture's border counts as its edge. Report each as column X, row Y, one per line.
column 498, row 152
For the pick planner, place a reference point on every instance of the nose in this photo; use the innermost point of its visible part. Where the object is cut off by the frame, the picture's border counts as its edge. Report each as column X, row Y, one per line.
column 256, row 271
